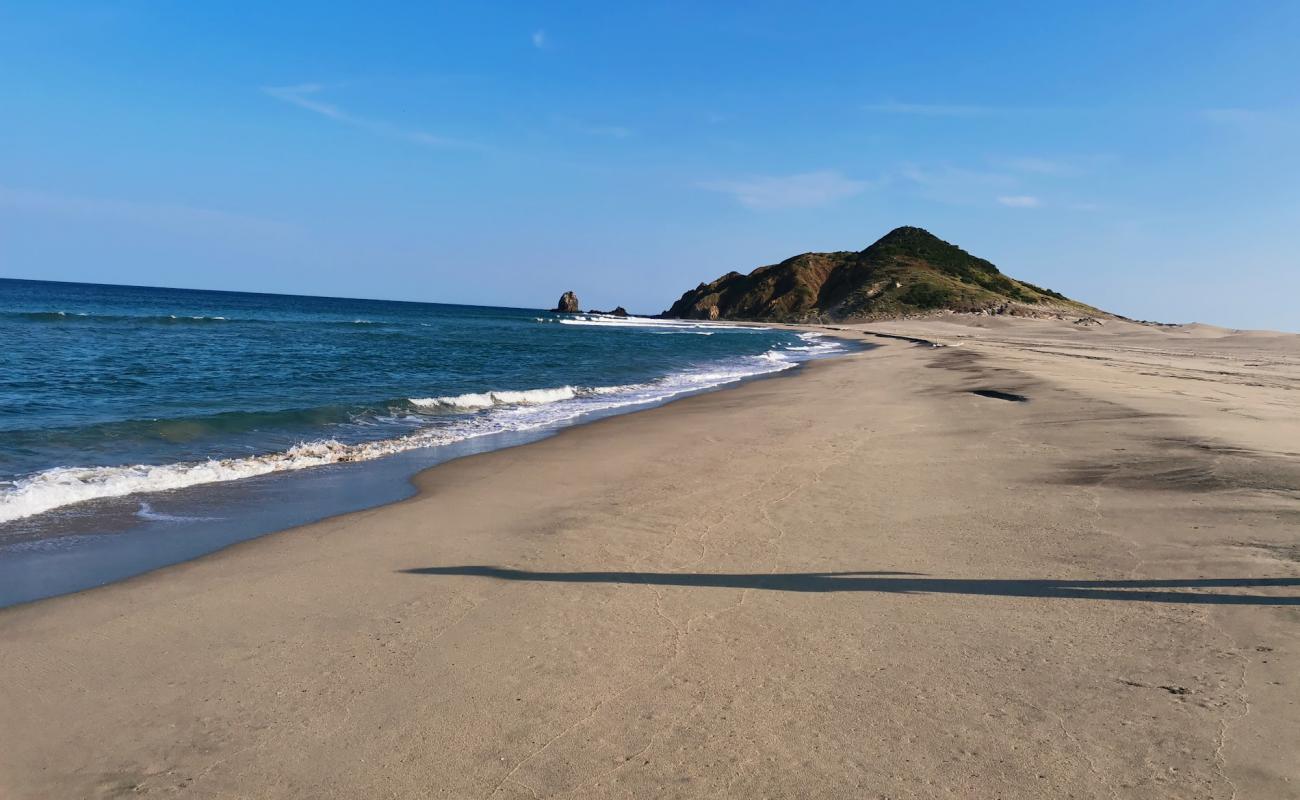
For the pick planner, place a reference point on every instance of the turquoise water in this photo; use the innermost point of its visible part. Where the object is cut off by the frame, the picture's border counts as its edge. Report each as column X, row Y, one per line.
column 117, row 397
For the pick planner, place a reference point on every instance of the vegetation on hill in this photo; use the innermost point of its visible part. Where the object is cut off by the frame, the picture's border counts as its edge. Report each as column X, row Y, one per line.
column 908, row 271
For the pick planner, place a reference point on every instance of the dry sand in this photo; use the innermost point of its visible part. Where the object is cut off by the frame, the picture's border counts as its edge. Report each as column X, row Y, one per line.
column 860, row 580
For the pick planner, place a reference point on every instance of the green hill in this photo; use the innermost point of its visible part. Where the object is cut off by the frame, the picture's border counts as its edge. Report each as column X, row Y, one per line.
column 908, row 271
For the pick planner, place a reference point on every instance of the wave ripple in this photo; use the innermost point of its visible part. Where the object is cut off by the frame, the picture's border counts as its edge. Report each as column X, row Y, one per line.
column 462, row 417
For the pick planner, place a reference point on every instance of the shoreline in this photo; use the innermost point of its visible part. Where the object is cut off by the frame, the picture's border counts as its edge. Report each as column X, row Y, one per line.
column 865, row 577
column 132, row 546
column 420, row 485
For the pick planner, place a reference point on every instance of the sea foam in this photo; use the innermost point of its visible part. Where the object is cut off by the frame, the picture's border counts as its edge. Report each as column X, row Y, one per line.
column 487, row 399
column 610, row 321
column 465, row 416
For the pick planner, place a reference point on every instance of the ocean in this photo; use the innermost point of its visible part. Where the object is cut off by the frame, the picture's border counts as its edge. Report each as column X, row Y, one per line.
column 143, row 426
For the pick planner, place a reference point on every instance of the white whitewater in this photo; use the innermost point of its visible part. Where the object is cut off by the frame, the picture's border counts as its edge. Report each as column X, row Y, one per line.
column 470, row 416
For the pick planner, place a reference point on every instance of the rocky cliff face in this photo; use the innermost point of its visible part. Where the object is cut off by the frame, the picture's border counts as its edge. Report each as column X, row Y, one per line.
column 568, row 303
column 909, row 270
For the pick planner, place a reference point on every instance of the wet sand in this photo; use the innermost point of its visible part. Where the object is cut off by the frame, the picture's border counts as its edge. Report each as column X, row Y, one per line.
column 1043, row 561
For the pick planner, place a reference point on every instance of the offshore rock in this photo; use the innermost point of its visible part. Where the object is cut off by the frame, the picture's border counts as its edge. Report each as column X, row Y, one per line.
column 568, row 303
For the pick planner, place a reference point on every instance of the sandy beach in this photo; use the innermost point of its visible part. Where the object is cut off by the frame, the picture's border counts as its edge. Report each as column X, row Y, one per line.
column 1044, row 560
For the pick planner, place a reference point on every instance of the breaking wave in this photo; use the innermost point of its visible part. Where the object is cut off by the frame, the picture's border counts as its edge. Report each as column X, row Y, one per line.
column 453, row 419
column 167, row 319
column 82, row 316
column 486, row 399
column 666, row 325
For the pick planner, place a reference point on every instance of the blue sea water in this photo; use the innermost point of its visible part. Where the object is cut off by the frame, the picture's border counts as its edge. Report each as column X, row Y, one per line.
column 115, row 397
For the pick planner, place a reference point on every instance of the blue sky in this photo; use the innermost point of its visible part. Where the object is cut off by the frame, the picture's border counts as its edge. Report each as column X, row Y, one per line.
column 1143, row 157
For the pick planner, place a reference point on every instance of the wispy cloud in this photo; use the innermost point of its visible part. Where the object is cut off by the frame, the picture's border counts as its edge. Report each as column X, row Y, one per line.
column 808, row 189
column 602, row 129
column 1253, row 121
column 957, row 185
column 307, row 97
column 972, row 187
column 540, row 40
column 1038, row 166
column 1069, row 166
column 929, row 109
column 1233, row 116
column 610, row 131
column 301, row 95
column 1020, row 201
column 172, row 216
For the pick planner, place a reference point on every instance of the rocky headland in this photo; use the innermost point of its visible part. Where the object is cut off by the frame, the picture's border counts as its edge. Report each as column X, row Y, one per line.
column 907, row 272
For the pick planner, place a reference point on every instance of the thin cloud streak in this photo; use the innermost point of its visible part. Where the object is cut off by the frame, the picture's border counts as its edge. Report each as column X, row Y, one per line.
column 1071, row 166
column 804, row 190
column 1253, row 120
column 612, row 131
column 605, row 130
column 1234, row 116
column 539, row 39
column 304, row 96
column 183, row 218
column 956, row 186
column 929, row 109
column 1038, row 166
column 300, row 96
column 1020, row 201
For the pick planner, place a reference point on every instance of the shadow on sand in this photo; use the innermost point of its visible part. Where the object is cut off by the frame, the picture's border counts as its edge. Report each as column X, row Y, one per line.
column 1148, row 591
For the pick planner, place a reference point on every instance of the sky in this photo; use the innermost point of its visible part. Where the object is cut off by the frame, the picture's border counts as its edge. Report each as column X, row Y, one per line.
column 1141, row 157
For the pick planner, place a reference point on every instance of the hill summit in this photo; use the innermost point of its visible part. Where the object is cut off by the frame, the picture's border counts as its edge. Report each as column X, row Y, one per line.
column 908, row 271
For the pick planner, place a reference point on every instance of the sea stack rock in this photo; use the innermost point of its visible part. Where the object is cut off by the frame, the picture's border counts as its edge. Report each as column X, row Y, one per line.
column 568, row 303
